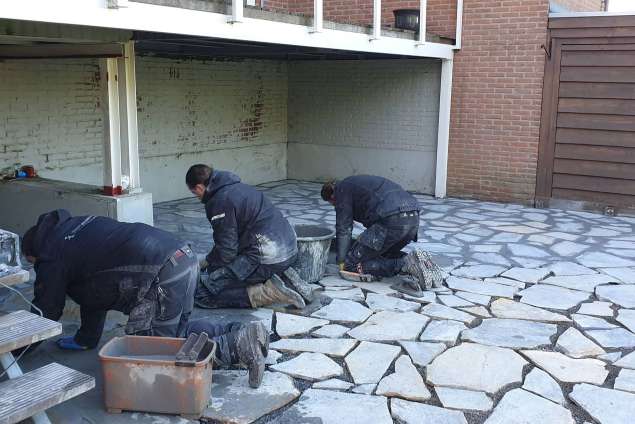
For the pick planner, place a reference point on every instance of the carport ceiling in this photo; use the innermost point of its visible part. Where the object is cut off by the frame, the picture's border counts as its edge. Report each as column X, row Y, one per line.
column 177, row 46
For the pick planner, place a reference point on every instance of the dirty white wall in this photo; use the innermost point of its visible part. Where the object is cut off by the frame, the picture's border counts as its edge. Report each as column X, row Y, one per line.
column 354, row 117
column 231, row 114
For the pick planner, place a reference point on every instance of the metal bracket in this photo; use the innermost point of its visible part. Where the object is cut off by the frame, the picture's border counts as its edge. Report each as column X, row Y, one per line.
column 547, row 51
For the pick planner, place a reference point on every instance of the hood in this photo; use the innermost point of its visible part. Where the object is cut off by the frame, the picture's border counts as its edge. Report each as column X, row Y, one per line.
column 34, row 240
column 219, row 180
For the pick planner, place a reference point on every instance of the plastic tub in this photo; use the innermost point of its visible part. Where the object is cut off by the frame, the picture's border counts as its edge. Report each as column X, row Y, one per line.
column 407, row 19
column 313, row 251
column 140, row 375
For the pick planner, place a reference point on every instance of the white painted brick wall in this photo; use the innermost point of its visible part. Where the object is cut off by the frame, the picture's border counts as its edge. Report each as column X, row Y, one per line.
column 352, row 117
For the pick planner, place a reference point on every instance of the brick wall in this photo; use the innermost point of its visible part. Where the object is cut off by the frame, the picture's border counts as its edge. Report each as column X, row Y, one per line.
column 354, row 117
column 582, row 5
column 497, row 97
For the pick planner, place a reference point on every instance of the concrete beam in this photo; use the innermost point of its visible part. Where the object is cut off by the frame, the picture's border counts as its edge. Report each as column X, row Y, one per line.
column 60, row 51
column 443, row 139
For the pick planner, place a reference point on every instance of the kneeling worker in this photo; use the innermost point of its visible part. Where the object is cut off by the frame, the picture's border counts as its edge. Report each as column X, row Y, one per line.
column 147, row 273
column 391, row 217
column 254, row 246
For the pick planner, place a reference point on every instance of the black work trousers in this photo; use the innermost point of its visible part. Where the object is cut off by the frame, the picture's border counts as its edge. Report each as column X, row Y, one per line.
column 377, row 251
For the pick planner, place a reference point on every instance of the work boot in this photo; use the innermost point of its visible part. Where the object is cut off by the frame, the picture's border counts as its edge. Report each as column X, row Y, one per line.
column 292, row 277
column 274, row 292
column 419, row 265
column 249, row 351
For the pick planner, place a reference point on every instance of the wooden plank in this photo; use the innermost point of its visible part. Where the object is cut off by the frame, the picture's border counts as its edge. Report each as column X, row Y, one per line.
column 597, row 184
column 597, row 74
column 598, row 58
column 598, row 90
column 595, row 137
column 548, row 126
column 625, row 171
column 592, row 21
column 595, row 153
column 596, row 122
column 19, row 277
column 606, row 41
column 598, row 46
column 597, row 106
column 39, row 390
column 593, row 32
column 595, row 197
column 21, row 328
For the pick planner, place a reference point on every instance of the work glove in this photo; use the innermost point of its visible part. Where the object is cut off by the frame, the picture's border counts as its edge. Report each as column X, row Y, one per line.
column 217, row 281
column 341, row 266
column 69, row 343
column 202, row 264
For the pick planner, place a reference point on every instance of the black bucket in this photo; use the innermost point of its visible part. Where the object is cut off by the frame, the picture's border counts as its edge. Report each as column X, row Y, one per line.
column 407, row 19
column 314, row 242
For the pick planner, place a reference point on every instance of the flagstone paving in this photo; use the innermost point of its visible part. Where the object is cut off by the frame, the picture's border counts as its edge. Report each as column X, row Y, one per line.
column 541, row 301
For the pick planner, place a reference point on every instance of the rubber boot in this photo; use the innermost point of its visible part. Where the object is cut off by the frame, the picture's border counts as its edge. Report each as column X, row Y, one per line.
column 292, row 277
column 274, row 292
column 248, row 351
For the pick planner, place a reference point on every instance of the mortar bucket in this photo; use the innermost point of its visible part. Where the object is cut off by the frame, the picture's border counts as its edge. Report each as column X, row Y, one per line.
column 314, row 242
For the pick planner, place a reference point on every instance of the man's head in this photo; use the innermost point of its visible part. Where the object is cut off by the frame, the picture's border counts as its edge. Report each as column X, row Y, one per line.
column 328, row 192
column 197, row 178
column 28, row 245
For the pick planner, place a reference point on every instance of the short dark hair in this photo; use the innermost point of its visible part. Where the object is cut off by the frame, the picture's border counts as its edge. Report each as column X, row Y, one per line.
column 198, row 174
column 328, row 189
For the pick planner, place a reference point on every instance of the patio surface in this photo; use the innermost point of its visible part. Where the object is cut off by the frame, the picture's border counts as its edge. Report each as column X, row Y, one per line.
column 536, row 324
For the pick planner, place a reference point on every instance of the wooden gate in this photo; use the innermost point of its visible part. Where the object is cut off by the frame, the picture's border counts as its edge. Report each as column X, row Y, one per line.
column 587, row 134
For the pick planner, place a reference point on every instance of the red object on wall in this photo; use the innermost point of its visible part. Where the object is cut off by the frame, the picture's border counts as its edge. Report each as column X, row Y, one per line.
column 113, row 191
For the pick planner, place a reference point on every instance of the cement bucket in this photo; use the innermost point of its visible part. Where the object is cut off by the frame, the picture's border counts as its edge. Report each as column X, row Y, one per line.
column 313, row 251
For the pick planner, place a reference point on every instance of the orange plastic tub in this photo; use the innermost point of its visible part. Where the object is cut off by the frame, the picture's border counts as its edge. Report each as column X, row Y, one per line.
column 140, row 375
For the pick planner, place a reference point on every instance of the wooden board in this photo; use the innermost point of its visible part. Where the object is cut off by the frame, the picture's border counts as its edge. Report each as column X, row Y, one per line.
column 597, row 184
column 597, row 106
column 595, row 137
column 21, row 328
column 595, row 153
column 625, row 171
column 39, row 390
column 597, row 74
column 597, row 90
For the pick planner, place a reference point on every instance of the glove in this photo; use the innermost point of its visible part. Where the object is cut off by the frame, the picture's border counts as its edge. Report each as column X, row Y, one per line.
column 69, row 343
column 341, row 266
column 202, row 264
column 217, row 281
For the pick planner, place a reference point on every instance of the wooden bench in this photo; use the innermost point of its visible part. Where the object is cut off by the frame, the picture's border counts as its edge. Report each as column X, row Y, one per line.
column 26, row 395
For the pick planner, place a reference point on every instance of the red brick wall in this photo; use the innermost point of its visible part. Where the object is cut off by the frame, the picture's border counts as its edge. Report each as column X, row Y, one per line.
column 582, row 5
column 496, row 104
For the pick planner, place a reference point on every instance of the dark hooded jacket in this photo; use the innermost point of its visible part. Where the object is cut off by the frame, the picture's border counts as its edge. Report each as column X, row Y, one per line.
column 98, row 262
column 248, row 229
column 367, row 199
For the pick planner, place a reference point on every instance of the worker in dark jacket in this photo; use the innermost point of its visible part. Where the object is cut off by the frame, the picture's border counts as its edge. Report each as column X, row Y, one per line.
column 391, row 217
column 254, row 245
column 147, row 273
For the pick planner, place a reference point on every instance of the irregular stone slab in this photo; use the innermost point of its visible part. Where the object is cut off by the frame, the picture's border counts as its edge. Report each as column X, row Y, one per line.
column 614, row 338
column 423, row 353
column 542, row 384
column 627, row 361
column 333, row 281
column 272, row 357
column 333, row 384
column 369, row 362
column 418, row 413
column 227, row 316
column 522, row 407
column 310, row 366
column 600, row 309
column 331, row 331
column 552, row 297
column 625, row 381
column 605, row 405
column 365, row 389
column 506, row 282
column 626, row 317
column 481, row 287
column 591, row 323
column 463, row 399
column 354, row 294
column 610, row 357
column 479, row 271
column 443, row 312
column 573, row 343
column 428, row 297
column 379, row 302
column 453, row 301
column 505, row 308
column 586, row 283
column 332, row 347
column 476, row 367
column 527, row 275
column 512, row 333
column 478, row 311
column 569, row 370
column 379, row 287
column 390, row 326
column 475, row 298
column 405, row 382
column 623, row 295
column 234, row 401
column 527, row 251
column 443, row 331
column 528, row 262
column 603, row 260
column 291, row 325
column 568, row 248
column 343, row 311
column 491, row 258
column 333, row 407
column 569, row 268
column 625, row 275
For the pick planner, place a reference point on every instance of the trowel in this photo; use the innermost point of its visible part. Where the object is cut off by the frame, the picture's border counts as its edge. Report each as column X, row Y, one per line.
column 359, row 278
